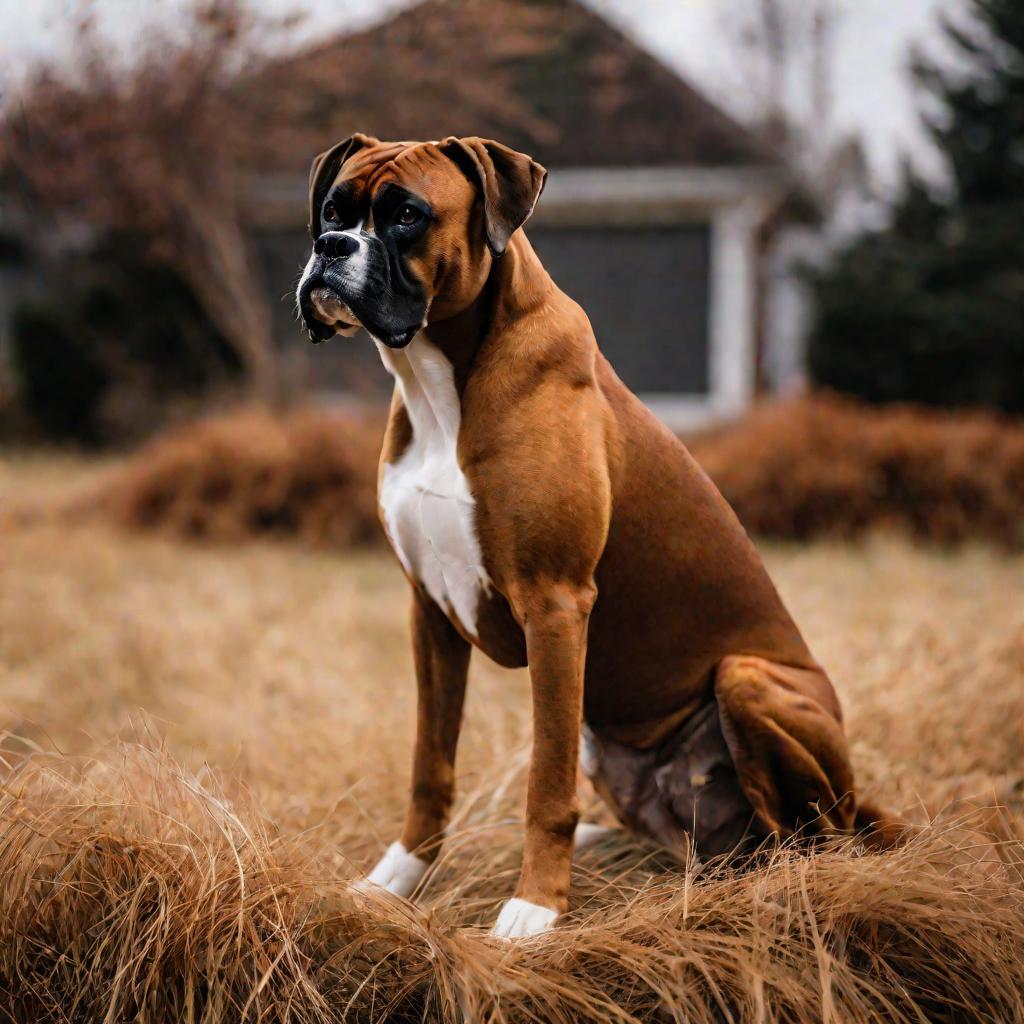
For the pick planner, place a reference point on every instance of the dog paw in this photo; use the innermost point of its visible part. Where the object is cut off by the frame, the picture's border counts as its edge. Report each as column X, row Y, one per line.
column 520, row 918
column 398, row 872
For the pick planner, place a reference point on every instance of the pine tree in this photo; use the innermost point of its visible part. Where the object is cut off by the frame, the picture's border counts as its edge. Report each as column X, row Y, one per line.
column 931, row 309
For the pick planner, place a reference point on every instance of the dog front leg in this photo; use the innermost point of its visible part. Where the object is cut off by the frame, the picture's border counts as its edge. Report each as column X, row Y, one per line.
column 555, row 623
column 442, row 664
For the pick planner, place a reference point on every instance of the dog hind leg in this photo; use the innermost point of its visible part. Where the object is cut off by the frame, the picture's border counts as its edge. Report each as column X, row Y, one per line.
column 784, row 730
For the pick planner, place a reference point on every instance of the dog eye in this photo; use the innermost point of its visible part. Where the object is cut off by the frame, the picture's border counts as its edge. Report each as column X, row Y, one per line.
column 407, row 215
column 330, row 212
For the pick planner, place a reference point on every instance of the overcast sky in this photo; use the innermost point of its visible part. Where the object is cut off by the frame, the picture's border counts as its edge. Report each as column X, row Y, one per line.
column 872, row 94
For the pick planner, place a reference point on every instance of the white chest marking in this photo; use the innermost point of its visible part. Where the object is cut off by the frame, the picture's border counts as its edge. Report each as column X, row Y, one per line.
column 425, row 498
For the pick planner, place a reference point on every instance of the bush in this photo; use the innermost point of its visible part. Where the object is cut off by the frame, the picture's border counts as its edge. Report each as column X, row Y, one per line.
column 102, row 354
column 901, row 317
column 830, row 466
column 309, row 474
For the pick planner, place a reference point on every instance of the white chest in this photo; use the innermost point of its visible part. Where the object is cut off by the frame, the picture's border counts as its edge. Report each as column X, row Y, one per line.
column 425, row 498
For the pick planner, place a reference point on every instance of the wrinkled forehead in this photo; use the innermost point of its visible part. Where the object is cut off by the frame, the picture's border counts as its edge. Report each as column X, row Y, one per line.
column 419, row 168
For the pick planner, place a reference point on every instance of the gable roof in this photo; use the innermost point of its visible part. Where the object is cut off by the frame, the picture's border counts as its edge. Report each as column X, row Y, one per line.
column 549, row 77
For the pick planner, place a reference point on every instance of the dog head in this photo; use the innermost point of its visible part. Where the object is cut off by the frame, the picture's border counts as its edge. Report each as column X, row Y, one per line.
column 404, row 233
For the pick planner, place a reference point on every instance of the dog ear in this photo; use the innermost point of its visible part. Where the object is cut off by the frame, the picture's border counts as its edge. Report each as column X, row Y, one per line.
column 325, row 169
column 510, row 183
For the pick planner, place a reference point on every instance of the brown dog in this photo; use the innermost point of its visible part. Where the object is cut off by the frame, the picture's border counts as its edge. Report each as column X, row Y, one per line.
column 543, row 515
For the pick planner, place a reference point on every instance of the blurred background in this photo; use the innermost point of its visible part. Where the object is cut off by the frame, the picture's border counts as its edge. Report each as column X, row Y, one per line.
column 747, row 198
column 775, row 212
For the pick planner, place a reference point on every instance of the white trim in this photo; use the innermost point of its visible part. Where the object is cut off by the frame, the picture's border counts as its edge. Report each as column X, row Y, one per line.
column 632, row 185
column 732, row 306
column 281, row 200
column 683, row 413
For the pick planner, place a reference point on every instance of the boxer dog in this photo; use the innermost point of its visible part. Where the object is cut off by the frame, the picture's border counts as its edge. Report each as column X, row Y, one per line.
column 544, row 516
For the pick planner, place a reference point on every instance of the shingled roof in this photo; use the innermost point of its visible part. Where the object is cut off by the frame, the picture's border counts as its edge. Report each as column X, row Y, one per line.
column 550, row 77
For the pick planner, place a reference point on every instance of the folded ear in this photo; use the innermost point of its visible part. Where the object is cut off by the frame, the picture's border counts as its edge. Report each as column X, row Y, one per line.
column 510, row 183
column 325, row 169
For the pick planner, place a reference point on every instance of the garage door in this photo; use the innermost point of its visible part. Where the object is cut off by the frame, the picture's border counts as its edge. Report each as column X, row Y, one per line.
column 646, row 292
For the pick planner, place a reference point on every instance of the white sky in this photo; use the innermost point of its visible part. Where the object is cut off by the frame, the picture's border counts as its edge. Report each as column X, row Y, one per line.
column 872, row 94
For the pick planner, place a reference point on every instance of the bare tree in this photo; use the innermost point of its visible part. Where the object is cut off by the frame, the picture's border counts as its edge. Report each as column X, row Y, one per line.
column 786, row 51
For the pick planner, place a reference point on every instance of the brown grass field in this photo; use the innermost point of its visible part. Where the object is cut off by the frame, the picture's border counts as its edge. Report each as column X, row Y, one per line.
column 205, row 744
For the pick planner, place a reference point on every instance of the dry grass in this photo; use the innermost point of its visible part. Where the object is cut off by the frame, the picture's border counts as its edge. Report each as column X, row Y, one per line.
column 234, row 728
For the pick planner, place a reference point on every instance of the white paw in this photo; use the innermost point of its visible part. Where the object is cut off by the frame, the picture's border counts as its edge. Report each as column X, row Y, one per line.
column 520, row 918
column 587, row 834
column 398, row 871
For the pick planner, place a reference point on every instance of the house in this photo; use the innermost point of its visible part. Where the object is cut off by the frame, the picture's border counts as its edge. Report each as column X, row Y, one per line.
column 660, row 216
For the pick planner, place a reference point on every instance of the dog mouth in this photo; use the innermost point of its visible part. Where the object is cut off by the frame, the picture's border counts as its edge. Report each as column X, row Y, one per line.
column 331, row 310
column 326, row 314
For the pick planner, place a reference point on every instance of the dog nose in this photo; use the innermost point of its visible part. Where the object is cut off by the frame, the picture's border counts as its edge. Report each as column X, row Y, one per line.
column 335, row 245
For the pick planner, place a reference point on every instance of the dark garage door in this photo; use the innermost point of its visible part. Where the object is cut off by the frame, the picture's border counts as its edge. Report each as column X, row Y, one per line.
column 646, row 292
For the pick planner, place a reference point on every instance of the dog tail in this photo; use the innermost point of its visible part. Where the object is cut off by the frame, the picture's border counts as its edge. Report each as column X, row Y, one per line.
column 880, row 831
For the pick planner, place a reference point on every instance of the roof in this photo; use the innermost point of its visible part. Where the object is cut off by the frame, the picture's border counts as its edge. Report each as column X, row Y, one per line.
column 549, row 77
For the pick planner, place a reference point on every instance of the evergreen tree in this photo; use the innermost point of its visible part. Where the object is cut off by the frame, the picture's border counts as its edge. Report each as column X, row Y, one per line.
column 931, row 309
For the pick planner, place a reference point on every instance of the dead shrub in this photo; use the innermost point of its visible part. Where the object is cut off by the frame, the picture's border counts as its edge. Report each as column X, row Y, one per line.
column 824, row 465
column 307, row 474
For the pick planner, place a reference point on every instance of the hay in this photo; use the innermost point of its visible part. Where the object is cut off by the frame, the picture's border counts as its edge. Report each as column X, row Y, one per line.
column 137, row 884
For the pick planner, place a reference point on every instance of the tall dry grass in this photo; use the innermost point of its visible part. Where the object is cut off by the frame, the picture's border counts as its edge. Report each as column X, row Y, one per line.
column 135, row 890
column 234, row 729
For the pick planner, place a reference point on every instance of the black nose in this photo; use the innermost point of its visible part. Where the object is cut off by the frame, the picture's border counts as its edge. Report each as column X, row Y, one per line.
column 335, row 245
